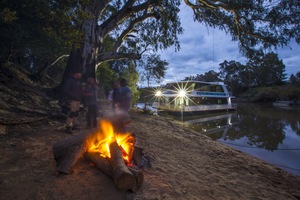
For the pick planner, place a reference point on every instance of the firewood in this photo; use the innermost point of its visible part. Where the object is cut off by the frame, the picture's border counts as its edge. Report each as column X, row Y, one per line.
column 139, row 178
column 137, row 156
column 67, row 152
column 123, row 178
column 103, row 164
column 100, row 162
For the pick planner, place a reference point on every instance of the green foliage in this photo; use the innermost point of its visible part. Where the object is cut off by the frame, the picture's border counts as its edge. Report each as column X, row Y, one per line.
column 270, row 94
column 264, row 70
column 36, row 32
column 210, row 76
column 268, row 70
column 295, row 79
column 8, row 16
column 106, row 76
column 154, row 68
column 233, row 74
column 255, row 24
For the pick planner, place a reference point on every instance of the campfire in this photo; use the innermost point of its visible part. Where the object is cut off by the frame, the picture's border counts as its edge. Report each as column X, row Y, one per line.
column 110, row 149
column 107, row 136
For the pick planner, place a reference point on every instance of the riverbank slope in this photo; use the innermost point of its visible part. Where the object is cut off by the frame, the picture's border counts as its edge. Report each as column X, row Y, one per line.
column 184, row 163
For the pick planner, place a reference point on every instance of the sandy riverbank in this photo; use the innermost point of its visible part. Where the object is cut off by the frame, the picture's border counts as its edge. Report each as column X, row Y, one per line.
column 184, row 165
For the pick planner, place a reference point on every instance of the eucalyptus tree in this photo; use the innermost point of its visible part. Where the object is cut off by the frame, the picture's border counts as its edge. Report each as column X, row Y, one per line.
column 138, row 26
column 210, row 76
column 230, row 73
column 295, row 79
column 267, row 70
column 255, row 24
column 135, row 26
column 154, row 68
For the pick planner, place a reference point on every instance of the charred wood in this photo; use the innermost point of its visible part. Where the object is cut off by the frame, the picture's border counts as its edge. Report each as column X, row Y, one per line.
column 67, row 152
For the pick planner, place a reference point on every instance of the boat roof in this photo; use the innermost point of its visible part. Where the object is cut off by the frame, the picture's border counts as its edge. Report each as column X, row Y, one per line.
column 192, row 81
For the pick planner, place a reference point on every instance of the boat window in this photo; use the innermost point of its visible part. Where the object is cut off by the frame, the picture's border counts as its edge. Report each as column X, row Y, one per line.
column 181, row 85
column 194, row 101
column 219, row 88
column 210, row 88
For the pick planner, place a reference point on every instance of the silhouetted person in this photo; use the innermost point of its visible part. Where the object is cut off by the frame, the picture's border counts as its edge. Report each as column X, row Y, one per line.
column 73, row 92
column 125, row 96
column 90, row 100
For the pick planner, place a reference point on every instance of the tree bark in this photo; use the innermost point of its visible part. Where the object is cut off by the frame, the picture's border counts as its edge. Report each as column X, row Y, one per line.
column 100, row 162
column 67, row 152
column 123, row 178
column 103, row 164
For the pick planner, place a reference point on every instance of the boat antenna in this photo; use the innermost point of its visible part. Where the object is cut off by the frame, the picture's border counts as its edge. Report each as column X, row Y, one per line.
column 213, row 47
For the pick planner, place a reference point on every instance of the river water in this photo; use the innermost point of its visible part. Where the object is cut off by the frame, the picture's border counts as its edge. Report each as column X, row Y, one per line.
column 263, row 131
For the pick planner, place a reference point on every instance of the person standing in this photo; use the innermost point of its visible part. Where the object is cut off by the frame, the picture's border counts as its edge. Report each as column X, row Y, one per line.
column 121, row 104
column 116, row 92
column 90, row 100
column 125, row 96
column 72, row 90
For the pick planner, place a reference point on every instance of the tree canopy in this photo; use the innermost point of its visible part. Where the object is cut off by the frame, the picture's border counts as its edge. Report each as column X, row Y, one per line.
column 37, row 31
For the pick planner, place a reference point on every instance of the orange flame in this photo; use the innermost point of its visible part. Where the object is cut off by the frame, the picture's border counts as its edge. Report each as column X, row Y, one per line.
column 107, row 136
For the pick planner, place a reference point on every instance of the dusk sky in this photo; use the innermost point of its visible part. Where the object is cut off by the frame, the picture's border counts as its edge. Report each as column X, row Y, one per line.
column 203, row 49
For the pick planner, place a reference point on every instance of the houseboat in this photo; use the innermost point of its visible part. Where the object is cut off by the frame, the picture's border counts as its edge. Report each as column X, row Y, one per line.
column 194, row 96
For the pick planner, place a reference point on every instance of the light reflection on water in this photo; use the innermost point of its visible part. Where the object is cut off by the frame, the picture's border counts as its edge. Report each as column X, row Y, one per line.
column 266, row 132
column 269, row 133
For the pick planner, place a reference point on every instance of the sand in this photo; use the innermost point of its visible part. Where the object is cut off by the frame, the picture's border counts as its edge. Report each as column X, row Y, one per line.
column 184, row 165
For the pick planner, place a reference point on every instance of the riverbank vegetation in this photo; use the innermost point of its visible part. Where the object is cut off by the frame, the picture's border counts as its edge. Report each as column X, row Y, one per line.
column 270, row 94
column 107, row 39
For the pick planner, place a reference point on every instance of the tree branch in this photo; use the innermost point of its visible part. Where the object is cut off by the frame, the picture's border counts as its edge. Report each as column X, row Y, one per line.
column 130, row 28
column 124, row 13
column 110, row 56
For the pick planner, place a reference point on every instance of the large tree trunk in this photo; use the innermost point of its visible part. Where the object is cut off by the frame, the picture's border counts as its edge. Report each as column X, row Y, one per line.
column 84, row 57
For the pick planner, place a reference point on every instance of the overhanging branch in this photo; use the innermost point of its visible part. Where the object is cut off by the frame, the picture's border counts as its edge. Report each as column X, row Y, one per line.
column 120, row 16
column 129, row 29
column 110, row 56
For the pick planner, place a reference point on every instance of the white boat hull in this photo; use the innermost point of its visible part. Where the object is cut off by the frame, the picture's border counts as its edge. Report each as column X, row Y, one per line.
column 199, row 108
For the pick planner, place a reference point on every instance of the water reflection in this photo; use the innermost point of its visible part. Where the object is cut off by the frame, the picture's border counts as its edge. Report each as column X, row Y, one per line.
column 214, row 125
column 269, row 133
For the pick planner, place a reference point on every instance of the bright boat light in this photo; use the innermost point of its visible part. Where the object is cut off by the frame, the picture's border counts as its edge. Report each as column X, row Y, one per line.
column 158, row 93
column 182, row 93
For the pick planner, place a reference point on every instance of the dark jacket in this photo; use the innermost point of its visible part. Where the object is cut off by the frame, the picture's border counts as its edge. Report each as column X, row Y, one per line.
column 72, row 89
column 90, row 94
column 125, row 98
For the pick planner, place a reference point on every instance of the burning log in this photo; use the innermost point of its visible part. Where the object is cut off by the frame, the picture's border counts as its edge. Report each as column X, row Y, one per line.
column 103, row 164
column 67, row 152
column 123, row 178
column 109, row 142
column 100, row 162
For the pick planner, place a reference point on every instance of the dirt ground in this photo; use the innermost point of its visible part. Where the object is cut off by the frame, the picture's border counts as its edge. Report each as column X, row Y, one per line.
column 184, row 163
